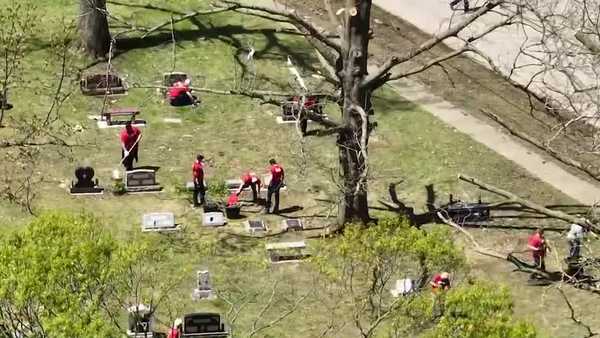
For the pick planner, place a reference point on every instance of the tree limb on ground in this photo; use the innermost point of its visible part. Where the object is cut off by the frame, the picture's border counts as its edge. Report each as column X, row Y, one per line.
column 531, row 205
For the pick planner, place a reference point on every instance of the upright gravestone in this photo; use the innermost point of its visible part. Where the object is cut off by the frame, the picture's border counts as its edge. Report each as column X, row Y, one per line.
column 207, row 325
column 203, row 288
column 159, row 221
column 85, row 183
column 141, row 180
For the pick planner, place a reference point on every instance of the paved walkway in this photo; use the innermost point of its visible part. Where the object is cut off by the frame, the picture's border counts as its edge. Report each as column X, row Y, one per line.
column 543, row 168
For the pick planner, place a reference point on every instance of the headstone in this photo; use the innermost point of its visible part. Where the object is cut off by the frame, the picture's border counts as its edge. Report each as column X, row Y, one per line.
column 159, row 221
column 139, row 322
column 255, row 226
column 293, row 224
column 101, row 84
column 85, row 184
column 141, row 180
column 233, row 185
column 403, row 287
column 169, row 79
column 213, row 219
column 207, row 325
column 203, row 289
column 285, row 252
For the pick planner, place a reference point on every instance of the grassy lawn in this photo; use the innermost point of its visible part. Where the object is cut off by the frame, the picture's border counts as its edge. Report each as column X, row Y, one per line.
column 237, row 133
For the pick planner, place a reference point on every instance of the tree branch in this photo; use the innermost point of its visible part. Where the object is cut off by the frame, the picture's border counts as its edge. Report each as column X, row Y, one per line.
column 427, row 45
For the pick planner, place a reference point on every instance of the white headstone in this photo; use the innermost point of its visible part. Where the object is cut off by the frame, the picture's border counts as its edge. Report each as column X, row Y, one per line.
column 213, row 219
column 158, row 221
column 402, row 287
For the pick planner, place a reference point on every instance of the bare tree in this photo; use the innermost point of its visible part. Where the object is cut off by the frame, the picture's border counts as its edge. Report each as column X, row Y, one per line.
column 93, row 27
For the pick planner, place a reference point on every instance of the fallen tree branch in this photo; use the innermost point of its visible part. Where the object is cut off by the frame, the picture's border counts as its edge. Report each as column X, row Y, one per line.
column 531, row 205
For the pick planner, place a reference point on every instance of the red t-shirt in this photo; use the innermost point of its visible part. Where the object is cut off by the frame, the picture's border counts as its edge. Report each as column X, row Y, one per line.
column 247, row 178
column 173, row 333
column 277, row 173
column 198, row 170
column 440, row 282
column 232, row 200
column 129, row 139
column 178, row 88
column 536, row 241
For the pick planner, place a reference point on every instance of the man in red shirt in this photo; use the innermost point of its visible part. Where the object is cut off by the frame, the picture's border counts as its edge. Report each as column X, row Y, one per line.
column 441, row 281
column 175, row 330
column 277, row 177
column 180, row 94
column 130, row 138
column 198, row 175
column 250, row 179
column 537, row 244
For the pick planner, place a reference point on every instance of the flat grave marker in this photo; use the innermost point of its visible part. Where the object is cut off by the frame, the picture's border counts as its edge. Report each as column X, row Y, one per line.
column 159, row 222
column 213, row 219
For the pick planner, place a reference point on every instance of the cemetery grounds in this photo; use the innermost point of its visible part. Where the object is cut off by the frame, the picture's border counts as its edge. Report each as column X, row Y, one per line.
column 236, row 133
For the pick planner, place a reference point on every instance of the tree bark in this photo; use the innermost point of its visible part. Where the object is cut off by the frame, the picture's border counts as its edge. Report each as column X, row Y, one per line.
column 353, row 139
column 93, row 27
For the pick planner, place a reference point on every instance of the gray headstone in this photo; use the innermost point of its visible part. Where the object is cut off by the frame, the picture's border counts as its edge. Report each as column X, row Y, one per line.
column 158, row 221
column 141, row 177
column 213, row 219
column 254, row 226
column 293, row 224
column 203, row 289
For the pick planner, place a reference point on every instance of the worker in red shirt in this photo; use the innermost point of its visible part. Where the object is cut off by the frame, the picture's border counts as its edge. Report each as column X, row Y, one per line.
column 250, row 179
column 277, row 177
column 175, row 330
column 440, row 281
column 130, row 138
column 180, row 94
column 198, row 176
column 537, row 244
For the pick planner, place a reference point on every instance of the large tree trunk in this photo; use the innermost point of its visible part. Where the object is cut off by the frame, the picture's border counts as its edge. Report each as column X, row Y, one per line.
column 93, row 27
column 353, row 140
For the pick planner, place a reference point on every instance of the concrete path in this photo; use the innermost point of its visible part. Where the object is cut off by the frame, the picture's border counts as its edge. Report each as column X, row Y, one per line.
column 514, row 49
column 543, row 168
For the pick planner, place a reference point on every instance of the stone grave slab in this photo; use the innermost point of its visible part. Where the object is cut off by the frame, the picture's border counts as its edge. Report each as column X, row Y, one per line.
column 213, row 219
column 85, row 185
column 159, row 222
column 403, row 287
column 140, row 321
column 255, row 226
column 118, row 117
column 203, row 289
column 141, row 181
column 292, row 224
column 233, row 184
column 206, row 325
column 286, row 252
column 100, row 84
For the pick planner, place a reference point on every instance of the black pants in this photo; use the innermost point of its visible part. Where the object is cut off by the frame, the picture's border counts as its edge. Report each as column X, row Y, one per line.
column 574, row 247
column 183, row 100
column 128, row 161
column 465, row 2
column 274, row 188
column 199, row 192
column 252, row 186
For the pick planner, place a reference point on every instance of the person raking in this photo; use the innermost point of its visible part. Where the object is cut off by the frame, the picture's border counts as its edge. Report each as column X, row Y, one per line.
column 537, row 244
column 130, row 138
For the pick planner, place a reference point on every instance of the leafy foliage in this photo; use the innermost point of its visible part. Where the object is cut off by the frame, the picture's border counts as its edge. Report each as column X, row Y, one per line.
column 480, row 310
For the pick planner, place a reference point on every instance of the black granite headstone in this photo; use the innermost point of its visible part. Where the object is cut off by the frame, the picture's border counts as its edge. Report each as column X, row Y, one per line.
column 85, row 182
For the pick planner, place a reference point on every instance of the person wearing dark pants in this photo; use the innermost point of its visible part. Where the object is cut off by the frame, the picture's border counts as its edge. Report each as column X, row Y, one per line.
column 465, row 3
column 198, row 174
column 277, row 177
column 574, row 237
column 130, row 138
column 250, row 179
column 537, row 244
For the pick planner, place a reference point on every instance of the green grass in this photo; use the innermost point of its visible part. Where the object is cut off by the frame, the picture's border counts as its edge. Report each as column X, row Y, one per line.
column 235, row 134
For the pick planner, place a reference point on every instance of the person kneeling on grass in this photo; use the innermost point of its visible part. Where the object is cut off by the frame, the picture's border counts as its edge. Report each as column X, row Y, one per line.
column 180, row 94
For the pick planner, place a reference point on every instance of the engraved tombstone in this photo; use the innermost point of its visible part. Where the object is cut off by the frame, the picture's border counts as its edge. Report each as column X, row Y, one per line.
column 203, row 288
